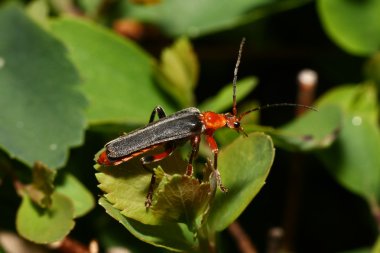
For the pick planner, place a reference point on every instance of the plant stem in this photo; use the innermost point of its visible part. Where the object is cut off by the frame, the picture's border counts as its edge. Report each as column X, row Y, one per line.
column 206, row 240
column 242, row 239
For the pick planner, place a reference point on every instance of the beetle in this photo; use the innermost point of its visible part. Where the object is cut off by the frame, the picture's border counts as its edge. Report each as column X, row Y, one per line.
column 174, row 130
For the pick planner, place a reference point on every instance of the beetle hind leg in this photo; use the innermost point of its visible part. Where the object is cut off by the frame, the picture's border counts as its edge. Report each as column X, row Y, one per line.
column 169, row 149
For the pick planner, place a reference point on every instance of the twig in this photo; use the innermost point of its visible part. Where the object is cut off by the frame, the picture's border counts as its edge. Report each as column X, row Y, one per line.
column 244, row 243
column 307, row 82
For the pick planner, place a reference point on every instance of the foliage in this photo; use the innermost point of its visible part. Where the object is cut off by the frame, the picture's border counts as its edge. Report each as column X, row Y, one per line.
column 69, row 83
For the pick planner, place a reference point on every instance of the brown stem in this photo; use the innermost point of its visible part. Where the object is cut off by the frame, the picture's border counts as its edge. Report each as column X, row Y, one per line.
column 242, row 239
column 69, row 245
column 307, row 82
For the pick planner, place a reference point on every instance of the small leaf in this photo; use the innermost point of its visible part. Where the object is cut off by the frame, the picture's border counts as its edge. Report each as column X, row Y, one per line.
column 182, row 199
column 359, row 35
column 42, row 187
column 179, row 71
column 244, row 166
column 45, row 225
column 313, row 130
column 169, row 235
column 223, row 100
column 118, row 75
column 39, row 88
column 72, row 188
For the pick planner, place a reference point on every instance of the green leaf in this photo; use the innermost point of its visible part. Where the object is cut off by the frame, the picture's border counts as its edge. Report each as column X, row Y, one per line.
column 118, row 76
column 182, row 199
column 45, row 225
column 44, row 114
column 353, row 25
column 244, row 166
column 353, row 159
column 223, row 100
column 42, row 187
column 169, row 235
column 313, row 130
column 179, row 72
column 199, row 17
column 72, row 188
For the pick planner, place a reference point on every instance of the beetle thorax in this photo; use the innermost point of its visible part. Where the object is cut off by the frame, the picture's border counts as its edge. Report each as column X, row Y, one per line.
column 213, row 121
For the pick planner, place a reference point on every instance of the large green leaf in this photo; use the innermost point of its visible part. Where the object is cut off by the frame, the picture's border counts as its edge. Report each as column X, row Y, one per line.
column 45, row 225
column 353, row 159
column 198, row 17
column 118, row 75
column 354, row 25
column 244, row 166
column 42, row 112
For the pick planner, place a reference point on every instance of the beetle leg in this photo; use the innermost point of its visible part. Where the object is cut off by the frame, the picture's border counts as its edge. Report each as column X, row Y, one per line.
column 194, row 152
column 159, row 111
column 214, row 149
column 169, row 149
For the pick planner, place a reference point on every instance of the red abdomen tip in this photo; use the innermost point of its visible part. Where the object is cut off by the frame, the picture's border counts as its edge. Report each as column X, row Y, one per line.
column 103, row 159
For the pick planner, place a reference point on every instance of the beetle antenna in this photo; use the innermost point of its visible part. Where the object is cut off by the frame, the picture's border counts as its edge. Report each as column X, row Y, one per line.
column 234, row 110
column 276, row 105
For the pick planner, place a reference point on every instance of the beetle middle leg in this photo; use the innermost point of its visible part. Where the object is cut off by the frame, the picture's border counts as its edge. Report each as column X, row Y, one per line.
column 169, row 149
column 194, row 152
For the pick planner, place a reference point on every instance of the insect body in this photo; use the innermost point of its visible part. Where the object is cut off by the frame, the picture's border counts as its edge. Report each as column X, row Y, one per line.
column 170, row 132
column 174, row 130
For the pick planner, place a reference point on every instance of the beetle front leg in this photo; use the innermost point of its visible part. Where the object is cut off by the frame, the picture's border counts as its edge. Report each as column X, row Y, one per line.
column 214, row 149
column 159, row 111
column 169, row 149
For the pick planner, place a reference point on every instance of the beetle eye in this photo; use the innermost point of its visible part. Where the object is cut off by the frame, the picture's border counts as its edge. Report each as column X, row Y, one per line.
column 236, row 124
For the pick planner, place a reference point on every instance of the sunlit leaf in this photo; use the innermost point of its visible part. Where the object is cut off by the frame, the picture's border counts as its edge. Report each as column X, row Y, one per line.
column 182, row 199
column 126, row 186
